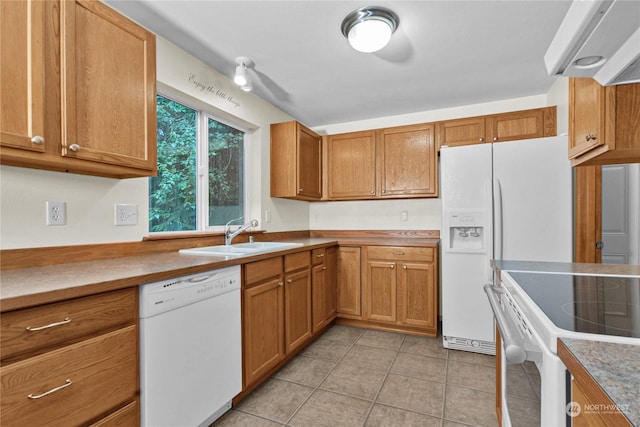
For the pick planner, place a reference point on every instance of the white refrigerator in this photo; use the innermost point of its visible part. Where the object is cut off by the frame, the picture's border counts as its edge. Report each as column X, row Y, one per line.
column 507, row 200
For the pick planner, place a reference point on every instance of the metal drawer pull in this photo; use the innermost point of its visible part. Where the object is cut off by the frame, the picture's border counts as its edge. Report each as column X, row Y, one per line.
column 50, row 325
column 320, row 255
column 392, row 266
column 398, row 253
column 53, row 390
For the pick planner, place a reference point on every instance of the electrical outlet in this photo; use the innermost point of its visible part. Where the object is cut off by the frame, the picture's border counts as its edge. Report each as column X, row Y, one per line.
column 56, row 213
column 126, row 214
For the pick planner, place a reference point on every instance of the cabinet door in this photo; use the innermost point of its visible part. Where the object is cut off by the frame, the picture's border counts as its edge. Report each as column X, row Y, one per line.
column 319, row 285
column 351, row 165
column 517, row 125
column 586, row 115
column 22, row 74
column 454, row 133
column 348, row 282
column 309, row 165
column 408, row 164
column 108, row 87
column 297, row 309
column 263, row 328
column 417, row 299
column 330, row 283
column 380, row 289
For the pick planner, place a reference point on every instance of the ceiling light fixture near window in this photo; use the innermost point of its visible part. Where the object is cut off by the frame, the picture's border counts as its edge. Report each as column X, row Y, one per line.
column 369, row 28
column 242, row 77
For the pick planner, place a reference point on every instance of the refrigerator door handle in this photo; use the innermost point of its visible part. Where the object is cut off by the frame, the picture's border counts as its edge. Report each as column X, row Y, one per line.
column 488, row 197
column 497, row 215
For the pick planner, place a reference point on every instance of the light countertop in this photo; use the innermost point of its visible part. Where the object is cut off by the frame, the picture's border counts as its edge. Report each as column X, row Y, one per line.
column 615, row 368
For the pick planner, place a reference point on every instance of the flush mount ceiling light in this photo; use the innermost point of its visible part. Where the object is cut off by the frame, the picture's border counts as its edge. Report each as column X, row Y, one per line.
column 241, row 77
column 369, row 28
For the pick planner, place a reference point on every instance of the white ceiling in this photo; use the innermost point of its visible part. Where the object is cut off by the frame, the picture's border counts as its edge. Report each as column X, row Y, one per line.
column 444, row 53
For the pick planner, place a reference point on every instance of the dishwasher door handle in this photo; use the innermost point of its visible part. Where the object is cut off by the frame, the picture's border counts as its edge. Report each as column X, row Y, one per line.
column 513, row 352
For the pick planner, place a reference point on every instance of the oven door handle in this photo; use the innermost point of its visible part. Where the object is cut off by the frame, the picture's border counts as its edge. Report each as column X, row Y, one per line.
column 513, row 352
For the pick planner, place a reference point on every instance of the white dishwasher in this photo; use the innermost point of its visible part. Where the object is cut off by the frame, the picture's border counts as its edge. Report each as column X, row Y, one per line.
column 190, row 348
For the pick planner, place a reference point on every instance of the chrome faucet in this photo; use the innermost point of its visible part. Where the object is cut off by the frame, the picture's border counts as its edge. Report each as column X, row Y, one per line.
column 228, row 235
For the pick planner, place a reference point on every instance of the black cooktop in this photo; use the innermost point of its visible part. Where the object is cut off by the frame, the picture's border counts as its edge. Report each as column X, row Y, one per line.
column 607, row 305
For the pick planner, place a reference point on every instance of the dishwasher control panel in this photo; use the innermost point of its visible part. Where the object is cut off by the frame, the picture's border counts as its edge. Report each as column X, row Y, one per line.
column 159, row 297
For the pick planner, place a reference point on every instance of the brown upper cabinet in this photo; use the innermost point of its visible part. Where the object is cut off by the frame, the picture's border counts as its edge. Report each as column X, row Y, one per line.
column 351, row 165
column 604, row 123
column 98, row 72
column 397, row 162
column 296, row 162
column 22, row 75
column 453, row 133
column 526, row 124
column 407, row 162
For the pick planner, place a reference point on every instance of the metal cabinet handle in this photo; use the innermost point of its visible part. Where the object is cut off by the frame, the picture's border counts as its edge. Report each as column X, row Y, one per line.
column 280, row 283
column 404, row 267
column 299, row 190
column 392, row 266
column 53, row 390
column 289, row 280
column 37, row 140
column 590, row 137
column 74, row 147
column 384, row 191
column 398, row 253
column 50, row 325
column 481, row 139
column 319, row 255
column 495, row 138
column 324, row 268
column 372, row 192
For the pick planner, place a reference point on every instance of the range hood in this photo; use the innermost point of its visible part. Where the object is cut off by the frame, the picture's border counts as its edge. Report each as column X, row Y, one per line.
column 598, row 39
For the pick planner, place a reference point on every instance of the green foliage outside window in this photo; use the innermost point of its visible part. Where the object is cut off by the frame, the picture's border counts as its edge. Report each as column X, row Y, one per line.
column 173, row 192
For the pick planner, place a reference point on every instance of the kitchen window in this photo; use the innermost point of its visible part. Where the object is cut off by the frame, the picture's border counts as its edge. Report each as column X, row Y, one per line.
column 201, row 173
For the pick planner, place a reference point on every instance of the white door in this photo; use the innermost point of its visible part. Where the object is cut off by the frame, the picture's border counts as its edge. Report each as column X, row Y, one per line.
column 620, row 214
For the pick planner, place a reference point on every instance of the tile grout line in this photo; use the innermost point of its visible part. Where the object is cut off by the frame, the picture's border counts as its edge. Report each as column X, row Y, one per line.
column 317, row 387
column 386, row 375
column 444, row 391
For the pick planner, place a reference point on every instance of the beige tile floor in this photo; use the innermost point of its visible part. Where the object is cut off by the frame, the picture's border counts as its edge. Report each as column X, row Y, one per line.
column 358, row 377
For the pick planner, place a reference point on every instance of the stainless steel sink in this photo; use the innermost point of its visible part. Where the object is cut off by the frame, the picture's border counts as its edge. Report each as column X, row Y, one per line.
column 240, row 249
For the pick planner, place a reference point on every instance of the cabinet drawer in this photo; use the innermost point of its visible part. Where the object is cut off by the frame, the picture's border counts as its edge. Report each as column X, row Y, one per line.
column 259, row 271
column 296, row 261
column 92, row 377
column 400, row 253
column 127, row 416
column 317, row 256
column 49, row 326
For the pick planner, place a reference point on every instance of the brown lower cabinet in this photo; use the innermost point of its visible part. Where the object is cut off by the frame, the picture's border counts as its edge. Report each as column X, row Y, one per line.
column 285, row 300
column 323, row 274
column 389, row 287
column 71, row 363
